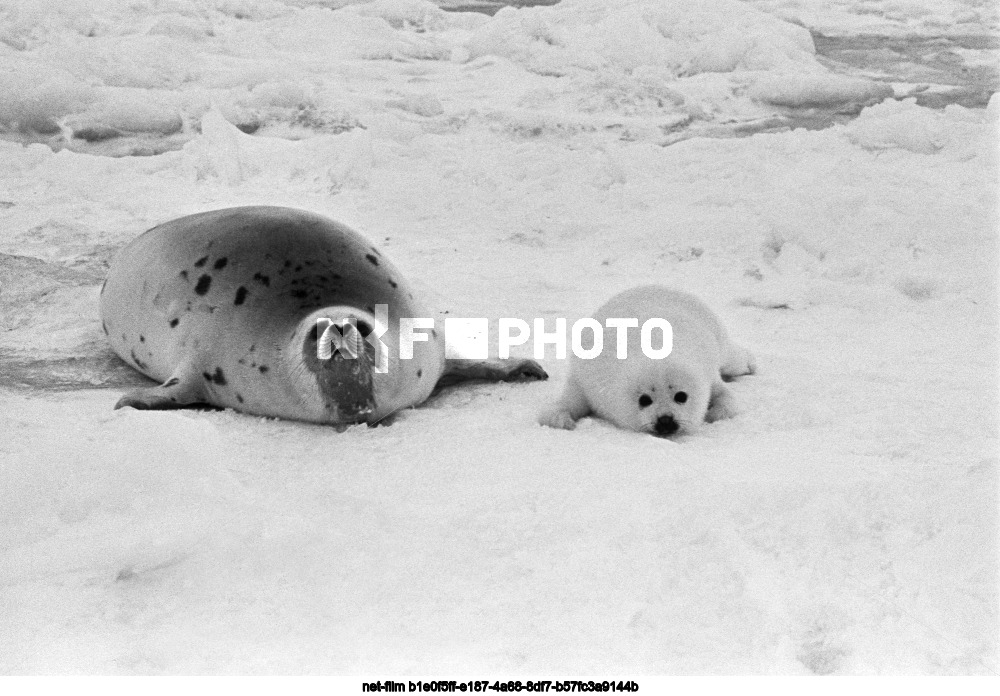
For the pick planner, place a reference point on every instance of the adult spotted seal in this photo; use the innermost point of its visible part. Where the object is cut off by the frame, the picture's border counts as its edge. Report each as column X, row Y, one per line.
column 227, row 307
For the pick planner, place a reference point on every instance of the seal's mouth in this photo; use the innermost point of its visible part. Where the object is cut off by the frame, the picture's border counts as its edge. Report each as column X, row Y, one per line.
column 347, row 387
column 343, row 370
column 665, row 426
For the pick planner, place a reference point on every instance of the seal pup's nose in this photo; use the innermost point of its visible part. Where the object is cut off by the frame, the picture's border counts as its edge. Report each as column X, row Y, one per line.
column 666, row 425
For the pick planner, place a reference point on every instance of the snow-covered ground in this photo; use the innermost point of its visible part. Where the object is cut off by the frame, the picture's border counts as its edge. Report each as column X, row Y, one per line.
column 528, row 164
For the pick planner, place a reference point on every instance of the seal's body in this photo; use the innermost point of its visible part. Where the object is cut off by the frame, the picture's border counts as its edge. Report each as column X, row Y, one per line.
column 659, row 396
column 223, row 307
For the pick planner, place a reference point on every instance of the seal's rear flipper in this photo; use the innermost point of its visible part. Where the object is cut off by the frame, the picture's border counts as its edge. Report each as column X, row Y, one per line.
column 184, row 388
column 721, row 404
column 736, row 362
column 459, row 370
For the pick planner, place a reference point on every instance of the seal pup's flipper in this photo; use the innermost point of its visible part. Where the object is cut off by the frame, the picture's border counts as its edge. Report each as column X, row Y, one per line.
column 721, row 405
column 737, row 362
column 184, row 388
column 460, row 370
column 571, row 407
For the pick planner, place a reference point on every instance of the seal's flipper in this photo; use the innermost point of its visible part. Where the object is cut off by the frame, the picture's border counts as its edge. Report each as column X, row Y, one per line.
column 571, row 407
column 721, row 404
column 737, row 362
column 459, row 370
column 184, row 388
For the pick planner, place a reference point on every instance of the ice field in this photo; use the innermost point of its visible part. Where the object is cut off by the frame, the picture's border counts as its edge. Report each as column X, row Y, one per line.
column 838, row 210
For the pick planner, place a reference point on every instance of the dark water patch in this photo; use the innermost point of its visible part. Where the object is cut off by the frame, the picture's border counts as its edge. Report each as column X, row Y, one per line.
column 810, row 119
column 488, row 7
column 17, row 272
column 142, row 145
column 927, row 62
column 931, row 60
column 22, row 371
column 28, row 283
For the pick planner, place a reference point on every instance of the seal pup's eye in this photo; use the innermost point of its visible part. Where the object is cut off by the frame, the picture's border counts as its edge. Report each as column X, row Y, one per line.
column 680, row 397
column 645, row 401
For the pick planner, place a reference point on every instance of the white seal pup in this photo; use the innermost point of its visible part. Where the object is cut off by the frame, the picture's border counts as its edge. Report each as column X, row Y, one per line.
column 222, row 308
column 663, row 396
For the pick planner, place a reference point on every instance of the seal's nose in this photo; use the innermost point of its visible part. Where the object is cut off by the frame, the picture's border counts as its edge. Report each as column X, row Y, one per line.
column 666, row 425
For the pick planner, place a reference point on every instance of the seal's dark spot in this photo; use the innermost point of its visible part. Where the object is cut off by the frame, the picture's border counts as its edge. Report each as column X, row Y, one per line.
column 184, row 275
column 220, row 264
column 287, row 263
column 204, row 283
column 336, row 276
column 218, row 377
column 263, row 369
column 299, row 294
column 262, row 279
column 142, row 339
column 420, row 373
column 434, row 333
column 173, row 323
column 105, row 327
column 137, row 361
column 372, row 258
column 241, row 295
column 200, row 262
column 239, row 398
column 393, row 283
column 297, row 268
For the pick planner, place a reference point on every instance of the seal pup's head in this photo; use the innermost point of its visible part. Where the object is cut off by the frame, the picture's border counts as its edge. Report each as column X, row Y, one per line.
column 662, row 398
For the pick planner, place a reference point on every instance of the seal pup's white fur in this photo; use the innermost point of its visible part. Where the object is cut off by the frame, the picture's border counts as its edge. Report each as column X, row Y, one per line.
column 664, row 396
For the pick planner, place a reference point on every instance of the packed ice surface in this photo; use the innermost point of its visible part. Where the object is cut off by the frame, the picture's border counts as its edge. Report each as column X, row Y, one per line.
column 887, row 17
column 87, row 72
column 845, row 522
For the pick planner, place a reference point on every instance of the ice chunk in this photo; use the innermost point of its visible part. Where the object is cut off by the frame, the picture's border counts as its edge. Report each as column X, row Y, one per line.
column 817, row 90
column 226, row 152
column 125, row 111
column 34, row 96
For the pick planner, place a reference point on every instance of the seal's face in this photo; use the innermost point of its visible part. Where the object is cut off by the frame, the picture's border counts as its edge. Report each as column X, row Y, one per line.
column 668, row 400
column 334, row 364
